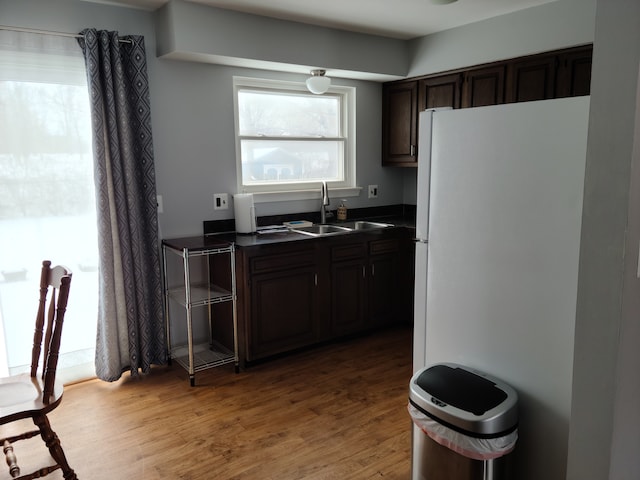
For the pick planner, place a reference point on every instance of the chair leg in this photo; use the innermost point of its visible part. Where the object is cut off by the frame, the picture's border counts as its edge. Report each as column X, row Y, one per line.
column 53, row 444
column 11, row 459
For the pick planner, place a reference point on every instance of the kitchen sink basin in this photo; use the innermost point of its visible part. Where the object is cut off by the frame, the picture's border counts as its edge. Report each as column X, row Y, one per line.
column 321, row 230
column 364, row 225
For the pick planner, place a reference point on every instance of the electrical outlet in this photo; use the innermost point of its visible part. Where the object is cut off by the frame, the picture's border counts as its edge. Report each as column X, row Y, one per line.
column 159, row 204
column 220, row 201
column 373, row 191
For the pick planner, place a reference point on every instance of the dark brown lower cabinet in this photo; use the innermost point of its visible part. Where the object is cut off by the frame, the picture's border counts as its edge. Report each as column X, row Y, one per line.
column 278, row 307
column 385, row 282
column 348, row 288
column 296, row 294
column 283, row 311
column 369, row 283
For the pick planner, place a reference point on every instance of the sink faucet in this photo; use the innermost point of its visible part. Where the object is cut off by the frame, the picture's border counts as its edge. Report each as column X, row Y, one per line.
column 324, row 193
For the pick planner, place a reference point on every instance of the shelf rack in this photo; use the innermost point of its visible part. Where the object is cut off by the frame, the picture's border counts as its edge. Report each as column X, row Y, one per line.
column 197, row 357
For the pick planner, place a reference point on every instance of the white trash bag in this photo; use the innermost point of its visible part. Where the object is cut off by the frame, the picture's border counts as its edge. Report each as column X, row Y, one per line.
column 470, row 447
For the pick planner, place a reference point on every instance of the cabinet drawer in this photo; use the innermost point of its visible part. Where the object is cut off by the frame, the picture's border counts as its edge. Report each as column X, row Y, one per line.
column 271, row 263
column 351, row 250
column 379, row 247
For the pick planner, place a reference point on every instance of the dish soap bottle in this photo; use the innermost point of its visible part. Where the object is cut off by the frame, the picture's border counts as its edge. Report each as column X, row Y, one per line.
column 342, row 210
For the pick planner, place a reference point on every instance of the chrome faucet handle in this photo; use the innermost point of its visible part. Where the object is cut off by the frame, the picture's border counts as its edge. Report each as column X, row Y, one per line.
column 324, row 192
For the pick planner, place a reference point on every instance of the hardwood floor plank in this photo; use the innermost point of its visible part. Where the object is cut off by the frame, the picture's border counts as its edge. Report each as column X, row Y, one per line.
column 336, row 412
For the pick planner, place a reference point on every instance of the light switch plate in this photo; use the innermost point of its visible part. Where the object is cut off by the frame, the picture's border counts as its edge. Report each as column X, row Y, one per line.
column 373, row 191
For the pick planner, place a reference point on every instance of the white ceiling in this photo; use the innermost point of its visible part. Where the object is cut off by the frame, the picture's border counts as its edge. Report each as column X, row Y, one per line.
column 402, row 19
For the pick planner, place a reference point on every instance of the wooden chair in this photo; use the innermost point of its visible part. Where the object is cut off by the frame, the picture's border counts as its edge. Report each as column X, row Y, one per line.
column 34, row 395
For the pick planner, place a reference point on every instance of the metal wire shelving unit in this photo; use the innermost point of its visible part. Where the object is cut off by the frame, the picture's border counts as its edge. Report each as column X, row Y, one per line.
column 195, row 357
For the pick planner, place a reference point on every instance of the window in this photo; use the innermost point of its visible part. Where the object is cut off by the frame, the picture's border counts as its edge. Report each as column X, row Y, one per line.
column 290, row 140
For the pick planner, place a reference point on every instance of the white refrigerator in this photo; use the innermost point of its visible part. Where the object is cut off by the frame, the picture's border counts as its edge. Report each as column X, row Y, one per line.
column 499, row 208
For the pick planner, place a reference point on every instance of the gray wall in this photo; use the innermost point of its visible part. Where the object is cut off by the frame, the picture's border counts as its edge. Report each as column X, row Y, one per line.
column 604, row 437
column 195, row 146
column 559, row 24
column 190, row 30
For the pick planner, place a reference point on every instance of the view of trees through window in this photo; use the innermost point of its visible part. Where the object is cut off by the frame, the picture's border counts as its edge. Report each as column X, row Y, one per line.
column 45, row 150
column 47, row 209
column 289, row 137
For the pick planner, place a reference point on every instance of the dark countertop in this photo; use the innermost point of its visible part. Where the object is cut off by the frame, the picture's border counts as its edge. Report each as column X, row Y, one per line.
column 249, row 240
column 223, row 230
column 244, row 240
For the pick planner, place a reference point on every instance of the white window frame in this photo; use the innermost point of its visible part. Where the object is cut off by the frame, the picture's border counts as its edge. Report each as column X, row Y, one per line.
column 303, row 190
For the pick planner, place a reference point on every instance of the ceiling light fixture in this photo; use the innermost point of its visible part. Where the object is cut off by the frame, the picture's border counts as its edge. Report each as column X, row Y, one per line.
column 443, row 2
column 317, row 83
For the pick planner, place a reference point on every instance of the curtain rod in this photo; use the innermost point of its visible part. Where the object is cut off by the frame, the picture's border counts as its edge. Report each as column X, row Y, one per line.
column 47, row 32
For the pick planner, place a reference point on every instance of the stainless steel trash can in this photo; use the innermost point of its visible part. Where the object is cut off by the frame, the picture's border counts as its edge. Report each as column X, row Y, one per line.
column 464, row 424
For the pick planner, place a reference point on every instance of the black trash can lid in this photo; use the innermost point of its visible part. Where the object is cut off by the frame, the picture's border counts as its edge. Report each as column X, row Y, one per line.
column 466, row 400
column 461, row 388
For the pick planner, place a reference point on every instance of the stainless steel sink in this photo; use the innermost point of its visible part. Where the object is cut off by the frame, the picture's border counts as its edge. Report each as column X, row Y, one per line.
column 364, row 225
column 320, row 230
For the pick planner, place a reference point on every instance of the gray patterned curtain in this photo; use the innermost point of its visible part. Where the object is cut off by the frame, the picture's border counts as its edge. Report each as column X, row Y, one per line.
column 131, row 332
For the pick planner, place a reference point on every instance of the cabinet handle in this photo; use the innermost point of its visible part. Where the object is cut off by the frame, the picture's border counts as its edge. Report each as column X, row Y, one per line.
column 373, row 269
column 315, row 279
column 364, row 272
column 413, row 150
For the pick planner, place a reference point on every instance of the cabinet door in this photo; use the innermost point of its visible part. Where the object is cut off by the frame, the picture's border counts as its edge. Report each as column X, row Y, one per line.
column 283, row 311
column 348, row 294
column 384, row 298
column 384, row 281
column 483, row 86
column 441, row 91
column 399, row 123
column 574, row 73
column 531, row 79
column 348, row 287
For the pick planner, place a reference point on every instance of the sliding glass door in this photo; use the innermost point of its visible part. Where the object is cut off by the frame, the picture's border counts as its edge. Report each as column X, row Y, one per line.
column 47, row 207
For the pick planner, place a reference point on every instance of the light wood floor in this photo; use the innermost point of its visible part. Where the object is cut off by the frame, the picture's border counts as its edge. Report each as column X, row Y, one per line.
column 336, row 412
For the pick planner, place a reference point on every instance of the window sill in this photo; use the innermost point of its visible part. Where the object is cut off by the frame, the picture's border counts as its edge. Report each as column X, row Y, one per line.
column 264, row 197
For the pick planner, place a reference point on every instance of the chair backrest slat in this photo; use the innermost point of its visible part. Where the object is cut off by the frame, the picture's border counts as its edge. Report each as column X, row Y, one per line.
column 50, row 325
column 42, row 306
column 51, row 362
column 51, row 312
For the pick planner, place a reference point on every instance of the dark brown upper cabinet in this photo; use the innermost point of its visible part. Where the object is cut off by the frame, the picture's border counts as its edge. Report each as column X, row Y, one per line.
column 566, row 73
column 440, row 91
column 562, row 73
column 531, row 79
column 402, row 101
column 400, row 123
column 483, row 86
column 574, row 73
